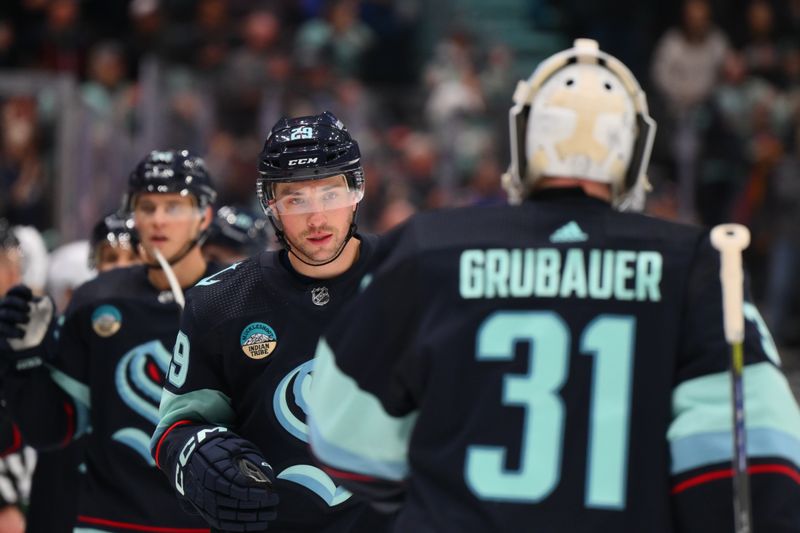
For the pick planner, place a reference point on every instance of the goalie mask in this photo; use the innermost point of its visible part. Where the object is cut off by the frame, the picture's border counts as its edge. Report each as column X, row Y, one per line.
column 582, row 115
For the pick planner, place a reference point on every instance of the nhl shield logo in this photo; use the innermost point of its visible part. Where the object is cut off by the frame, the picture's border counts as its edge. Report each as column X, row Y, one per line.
column 258, row 340
column 320, row 296
column 106, row 320
column 166, row 297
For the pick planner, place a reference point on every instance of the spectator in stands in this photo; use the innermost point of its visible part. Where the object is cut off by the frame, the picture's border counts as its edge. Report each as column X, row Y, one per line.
column 761, row 51
column 340, row 30
column 687, row 60
column 686, row 66
column 22, row 179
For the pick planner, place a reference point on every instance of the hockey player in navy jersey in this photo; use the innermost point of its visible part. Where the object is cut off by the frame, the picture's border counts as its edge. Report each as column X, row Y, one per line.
column 233, row 408
column 55, row 484
column 105, row 363
column 112, row 243
column 235, row 234
column 559, row 365
column 12, row 499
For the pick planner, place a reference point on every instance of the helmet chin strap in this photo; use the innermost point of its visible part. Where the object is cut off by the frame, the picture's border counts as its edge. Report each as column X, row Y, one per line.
column 197, row 241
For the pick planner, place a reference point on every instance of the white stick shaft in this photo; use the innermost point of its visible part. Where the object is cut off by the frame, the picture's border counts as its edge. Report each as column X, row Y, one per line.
column 177, row 292
column 730, row 240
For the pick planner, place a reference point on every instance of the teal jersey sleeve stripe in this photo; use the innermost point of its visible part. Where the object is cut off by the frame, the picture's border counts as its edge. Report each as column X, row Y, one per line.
column 204, row 406
column 350, row 429
column 700, row 432
column 703, row 405
column 352, row 462
column 712, row 448
column 79, row 391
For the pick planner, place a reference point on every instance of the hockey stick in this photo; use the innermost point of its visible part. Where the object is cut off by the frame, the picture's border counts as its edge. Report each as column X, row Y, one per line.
column 730, row 240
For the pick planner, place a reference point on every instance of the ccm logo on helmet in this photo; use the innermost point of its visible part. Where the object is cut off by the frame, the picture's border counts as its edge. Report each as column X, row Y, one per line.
column 303, row 161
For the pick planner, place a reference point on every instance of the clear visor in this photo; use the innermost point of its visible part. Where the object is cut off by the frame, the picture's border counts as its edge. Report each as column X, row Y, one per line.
column 314, row 196
column 173, row 208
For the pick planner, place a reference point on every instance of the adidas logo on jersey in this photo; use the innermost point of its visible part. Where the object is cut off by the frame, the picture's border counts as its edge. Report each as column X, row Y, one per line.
column 569, row 232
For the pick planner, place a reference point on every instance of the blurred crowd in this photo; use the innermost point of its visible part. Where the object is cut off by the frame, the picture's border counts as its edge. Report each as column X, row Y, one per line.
column 728, row 146
column 88, row 86
column 212, row 75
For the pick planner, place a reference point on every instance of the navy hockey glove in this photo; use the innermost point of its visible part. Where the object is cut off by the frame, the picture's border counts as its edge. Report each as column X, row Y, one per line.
column 227, row 480
column 25, row 322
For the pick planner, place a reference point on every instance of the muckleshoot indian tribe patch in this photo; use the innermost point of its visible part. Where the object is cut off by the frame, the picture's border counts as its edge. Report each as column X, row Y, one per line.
column 106, row 320
column 258, row 340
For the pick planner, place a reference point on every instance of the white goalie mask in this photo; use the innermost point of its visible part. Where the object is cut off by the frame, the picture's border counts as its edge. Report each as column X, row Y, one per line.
column 583, row 115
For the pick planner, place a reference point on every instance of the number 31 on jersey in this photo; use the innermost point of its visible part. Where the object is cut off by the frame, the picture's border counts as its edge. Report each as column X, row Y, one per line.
column 609, row 339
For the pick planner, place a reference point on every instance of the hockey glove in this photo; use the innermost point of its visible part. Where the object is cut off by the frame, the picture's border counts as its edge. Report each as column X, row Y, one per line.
column 25, row 323
column 227, row 480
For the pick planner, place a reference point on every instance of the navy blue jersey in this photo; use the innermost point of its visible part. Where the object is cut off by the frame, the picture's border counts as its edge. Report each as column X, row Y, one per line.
column 54, row 495
column 556, row 366
column 112, row 351
column 243, row 360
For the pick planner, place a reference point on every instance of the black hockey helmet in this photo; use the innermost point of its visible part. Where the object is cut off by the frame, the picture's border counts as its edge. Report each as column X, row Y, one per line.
column 113, row 229
column 308, row 148
column 7, row 238
column 171, row 171
column 238, row 229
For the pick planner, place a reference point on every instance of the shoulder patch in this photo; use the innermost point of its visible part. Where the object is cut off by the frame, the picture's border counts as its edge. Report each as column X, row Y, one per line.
column 106, row 320
column 258, row 340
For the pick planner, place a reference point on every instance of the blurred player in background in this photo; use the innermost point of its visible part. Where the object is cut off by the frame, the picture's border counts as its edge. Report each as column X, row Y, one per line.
column 238, row 383
column 35, row 258
column 113, row 243
column 12, row 494
column 56, row 482
column 557, row 365
column 10, row 257
column 108, row 357
column 67, row 270
column 235, row 235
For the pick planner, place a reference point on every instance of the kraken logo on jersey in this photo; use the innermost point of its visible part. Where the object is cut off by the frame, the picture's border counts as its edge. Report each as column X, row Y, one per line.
column 106, row 320
column 258, row 340
column 139, row 378
column 290, row 405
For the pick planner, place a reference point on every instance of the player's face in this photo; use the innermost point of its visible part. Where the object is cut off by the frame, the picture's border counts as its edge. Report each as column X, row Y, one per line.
column 167, row 222
column 10, row 269
column 111, row 257
column 316, row 216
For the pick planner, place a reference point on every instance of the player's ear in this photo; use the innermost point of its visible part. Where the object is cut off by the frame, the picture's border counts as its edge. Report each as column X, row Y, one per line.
column 208, row 216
